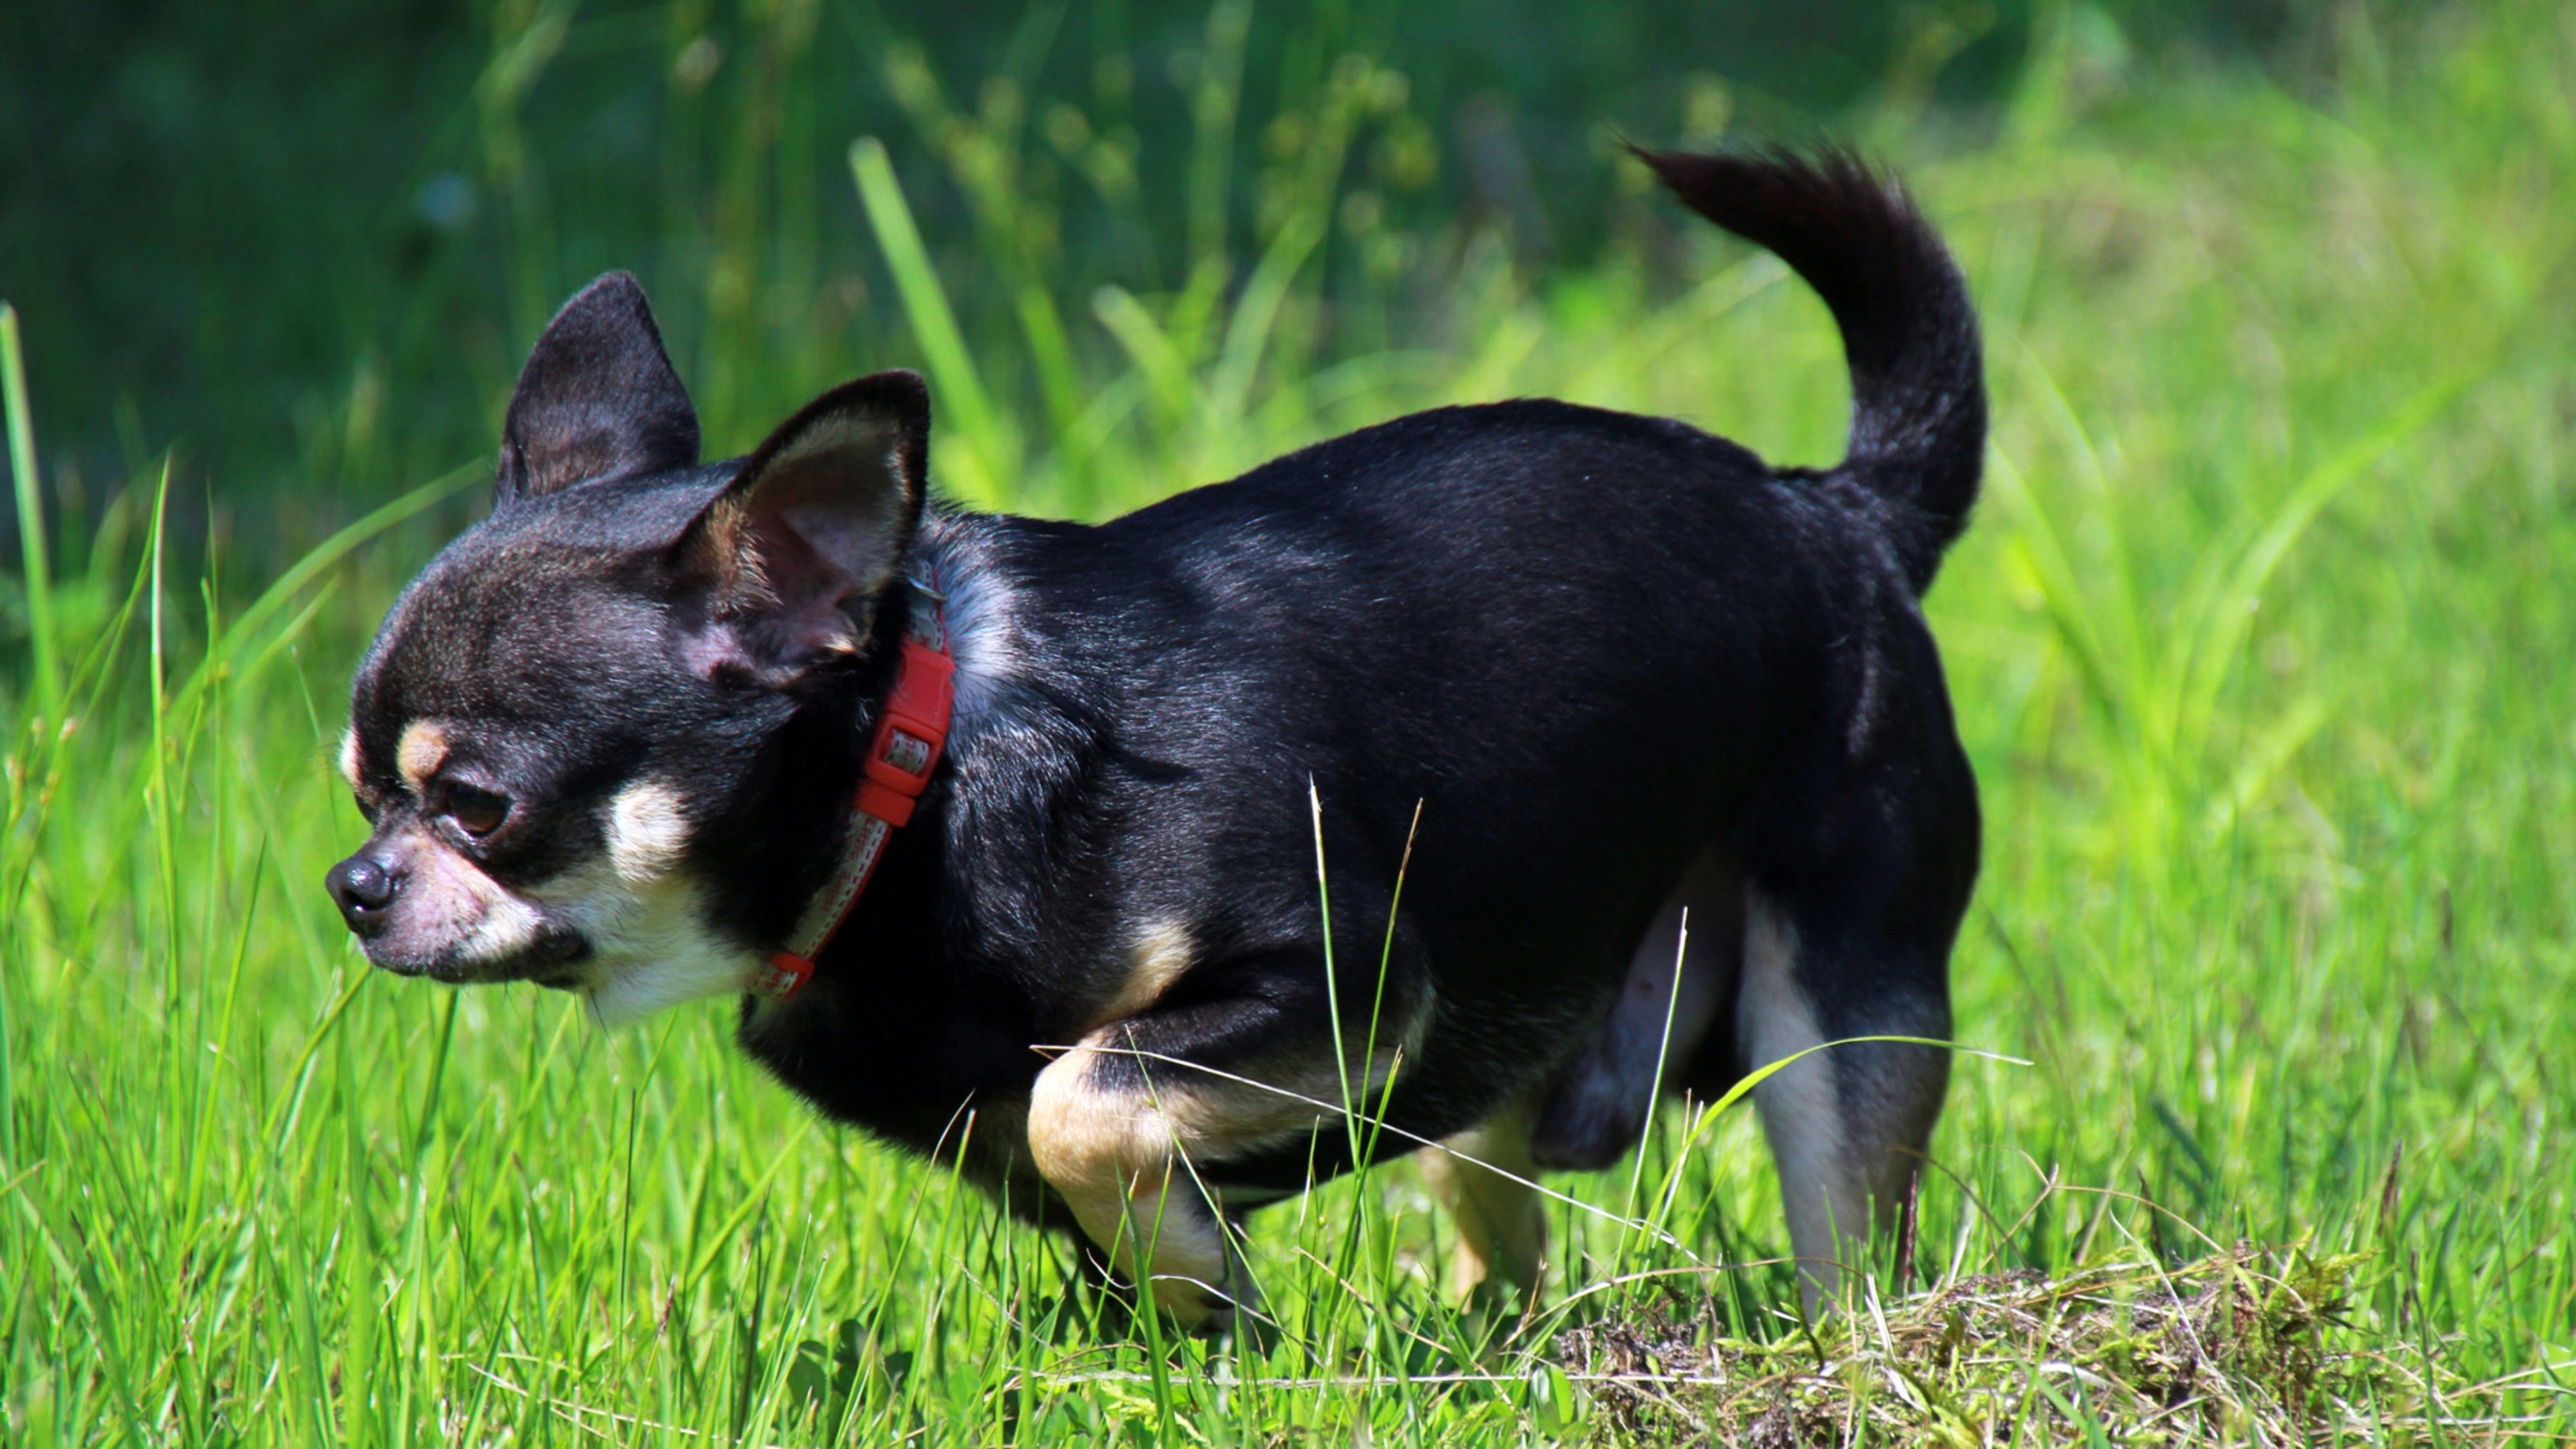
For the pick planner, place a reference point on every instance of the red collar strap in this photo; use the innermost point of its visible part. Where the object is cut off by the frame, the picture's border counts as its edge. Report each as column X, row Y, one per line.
column 901, row 756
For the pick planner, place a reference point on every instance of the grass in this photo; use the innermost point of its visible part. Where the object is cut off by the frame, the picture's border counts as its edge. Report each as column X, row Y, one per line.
column 2259, row 645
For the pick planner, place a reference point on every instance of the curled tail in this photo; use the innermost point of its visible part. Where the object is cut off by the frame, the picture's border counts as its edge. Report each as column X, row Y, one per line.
column 1918, row 432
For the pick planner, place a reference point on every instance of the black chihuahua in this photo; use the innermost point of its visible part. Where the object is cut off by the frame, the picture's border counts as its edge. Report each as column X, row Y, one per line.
column 1001, row 828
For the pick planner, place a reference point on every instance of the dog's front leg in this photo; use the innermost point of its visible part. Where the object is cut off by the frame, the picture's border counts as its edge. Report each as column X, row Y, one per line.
column 1120, row 1135
column 1485, row 1176
column 1133, row 1126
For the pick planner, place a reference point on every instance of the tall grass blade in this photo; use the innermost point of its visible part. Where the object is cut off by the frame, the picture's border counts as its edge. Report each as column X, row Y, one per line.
column 1213, row 105
column 2043, row 557
column 1256, row 316
column 48, row 685
column 973, row 419
column 1332, row 983
column 2225, row 617
column 1158, row 358
column 225, row 651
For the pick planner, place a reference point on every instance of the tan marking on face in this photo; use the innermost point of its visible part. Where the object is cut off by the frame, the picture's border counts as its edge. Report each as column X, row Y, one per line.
column 347, row 757
column 1119, row 1154
column 1162, row 954
column 422, row 750
column 647, row 831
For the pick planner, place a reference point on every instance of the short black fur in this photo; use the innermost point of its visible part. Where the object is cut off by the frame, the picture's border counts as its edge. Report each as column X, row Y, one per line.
column 1590, row 647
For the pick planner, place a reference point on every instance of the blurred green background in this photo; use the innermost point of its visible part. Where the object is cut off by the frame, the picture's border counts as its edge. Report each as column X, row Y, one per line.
column 307, row 244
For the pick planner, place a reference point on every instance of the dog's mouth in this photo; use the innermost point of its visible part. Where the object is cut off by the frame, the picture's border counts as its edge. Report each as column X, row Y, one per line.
column 559, row 959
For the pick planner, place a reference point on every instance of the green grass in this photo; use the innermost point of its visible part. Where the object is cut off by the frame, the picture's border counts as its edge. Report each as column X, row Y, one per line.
column 2260, row 644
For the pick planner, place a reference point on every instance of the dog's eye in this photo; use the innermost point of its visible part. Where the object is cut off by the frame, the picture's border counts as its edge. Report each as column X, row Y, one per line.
column 480, row 812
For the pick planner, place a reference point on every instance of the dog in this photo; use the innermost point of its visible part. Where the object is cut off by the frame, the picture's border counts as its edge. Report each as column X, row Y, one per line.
column 1007, row 832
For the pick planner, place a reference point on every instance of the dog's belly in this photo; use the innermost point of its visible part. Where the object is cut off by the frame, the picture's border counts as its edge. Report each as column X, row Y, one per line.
column 1588, row 1069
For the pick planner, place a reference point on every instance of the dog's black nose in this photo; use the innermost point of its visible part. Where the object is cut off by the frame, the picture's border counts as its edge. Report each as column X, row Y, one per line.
column 364, row 888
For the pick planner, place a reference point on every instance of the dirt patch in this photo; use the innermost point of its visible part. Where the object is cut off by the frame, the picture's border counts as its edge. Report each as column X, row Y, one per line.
column 2249, row 1345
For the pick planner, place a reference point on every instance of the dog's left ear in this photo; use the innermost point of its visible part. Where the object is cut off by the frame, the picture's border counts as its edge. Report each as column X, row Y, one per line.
column 796, row 550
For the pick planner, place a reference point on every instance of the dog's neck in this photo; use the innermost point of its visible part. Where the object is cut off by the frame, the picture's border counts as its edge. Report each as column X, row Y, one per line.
column 944, row 902
column 950, row 617
column 904, row 750
column 1010, row 745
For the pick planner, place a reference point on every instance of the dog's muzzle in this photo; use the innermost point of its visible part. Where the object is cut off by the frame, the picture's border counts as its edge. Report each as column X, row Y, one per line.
column 372, row 890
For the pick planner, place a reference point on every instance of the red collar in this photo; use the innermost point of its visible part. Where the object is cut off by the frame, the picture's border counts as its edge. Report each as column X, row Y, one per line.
column 901, row 755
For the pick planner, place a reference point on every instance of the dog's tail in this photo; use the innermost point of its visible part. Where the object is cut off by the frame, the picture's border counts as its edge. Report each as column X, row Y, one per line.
column 1918, row 432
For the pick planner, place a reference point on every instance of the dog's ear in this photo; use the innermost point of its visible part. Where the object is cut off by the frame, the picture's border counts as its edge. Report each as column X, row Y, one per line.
column 795, row 551
column 597, row 398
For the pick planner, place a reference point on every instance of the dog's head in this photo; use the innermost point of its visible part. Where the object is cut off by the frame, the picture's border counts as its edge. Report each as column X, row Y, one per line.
column 567, row 711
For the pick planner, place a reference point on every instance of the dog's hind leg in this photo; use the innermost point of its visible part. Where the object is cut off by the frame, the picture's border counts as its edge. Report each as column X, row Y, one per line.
column 1848, row 1125
column 1852, row 941
column 1484, row 1176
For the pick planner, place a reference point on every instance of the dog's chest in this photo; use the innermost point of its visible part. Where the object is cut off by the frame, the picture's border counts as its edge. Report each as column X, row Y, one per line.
column 917, row 1066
